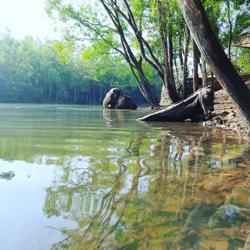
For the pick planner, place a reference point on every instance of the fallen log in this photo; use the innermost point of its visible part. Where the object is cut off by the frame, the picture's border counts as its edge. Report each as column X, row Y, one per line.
column 197, row 107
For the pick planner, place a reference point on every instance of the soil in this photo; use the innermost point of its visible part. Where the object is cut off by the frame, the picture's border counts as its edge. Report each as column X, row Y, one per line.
column 226, row 115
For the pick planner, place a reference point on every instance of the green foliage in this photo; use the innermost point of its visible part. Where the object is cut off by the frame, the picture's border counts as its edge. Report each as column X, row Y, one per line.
column 154, row 21
column 59, row 72
column 243, row 60
column 89, row 60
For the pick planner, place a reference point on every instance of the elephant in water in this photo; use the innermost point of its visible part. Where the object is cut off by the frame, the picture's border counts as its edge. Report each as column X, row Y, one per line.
column 116, row 99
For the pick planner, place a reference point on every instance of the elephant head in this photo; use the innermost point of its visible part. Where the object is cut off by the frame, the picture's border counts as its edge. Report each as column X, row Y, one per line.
column 116, row 99
column 112, row 98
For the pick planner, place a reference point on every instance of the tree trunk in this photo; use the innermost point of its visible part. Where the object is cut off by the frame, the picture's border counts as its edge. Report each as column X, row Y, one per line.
column 147, row 90
column 165, row 30
column 185, row 66
column 197, row 107
column 168, row 69
column 230, row 29
column 195, row 66
column 204, row 72
column 75, row 95
column 177, row 71
column 212, row 51
column 180, row 52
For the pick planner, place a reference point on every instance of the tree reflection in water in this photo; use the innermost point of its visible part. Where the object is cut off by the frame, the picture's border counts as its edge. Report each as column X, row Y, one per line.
column 159, row 195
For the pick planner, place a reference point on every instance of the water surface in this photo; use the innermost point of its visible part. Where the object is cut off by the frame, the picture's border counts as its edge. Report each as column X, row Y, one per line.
column 75, row 177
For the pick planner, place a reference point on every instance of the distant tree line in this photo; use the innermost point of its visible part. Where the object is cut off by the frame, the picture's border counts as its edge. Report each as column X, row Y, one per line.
column 32, row 71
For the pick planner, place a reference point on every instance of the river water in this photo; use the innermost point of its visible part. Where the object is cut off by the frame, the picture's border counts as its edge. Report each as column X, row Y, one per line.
column 78, row 177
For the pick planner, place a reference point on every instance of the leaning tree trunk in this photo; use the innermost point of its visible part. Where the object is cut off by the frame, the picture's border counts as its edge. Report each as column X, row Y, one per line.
column 209, row 46
column 147, row 90
column 230, row 29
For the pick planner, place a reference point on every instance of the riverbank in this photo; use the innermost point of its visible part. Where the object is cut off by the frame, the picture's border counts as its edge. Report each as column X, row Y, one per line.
column 226, row 115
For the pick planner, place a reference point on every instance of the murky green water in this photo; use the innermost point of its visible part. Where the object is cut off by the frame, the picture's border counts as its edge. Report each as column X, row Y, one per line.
column 78, row 178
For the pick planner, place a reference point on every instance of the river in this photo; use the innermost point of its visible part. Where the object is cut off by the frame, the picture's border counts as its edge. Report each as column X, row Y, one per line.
column 78, row 177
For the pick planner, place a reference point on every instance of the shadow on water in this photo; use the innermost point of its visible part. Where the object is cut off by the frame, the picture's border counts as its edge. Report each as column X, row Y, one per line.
column 174, row 187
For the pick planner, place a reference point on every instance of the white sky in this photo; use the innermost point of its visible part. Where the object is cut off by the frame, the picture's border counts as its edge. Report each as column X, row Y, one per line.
column 26, row 17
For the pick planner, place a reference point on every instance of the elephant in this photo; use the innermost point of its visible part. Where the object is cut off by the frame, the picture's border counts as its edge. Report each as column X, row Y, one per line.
column 116, row 99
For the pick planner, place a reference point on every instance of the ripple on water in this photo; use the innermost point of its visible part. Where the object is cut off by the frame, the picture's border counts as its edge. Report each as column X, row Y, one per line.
column 84, row 178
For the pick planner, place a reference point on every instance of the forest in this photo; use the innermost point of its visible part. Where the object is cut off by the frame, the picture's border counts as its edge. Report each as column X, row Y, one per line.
column 34, row 71
column 140, row 46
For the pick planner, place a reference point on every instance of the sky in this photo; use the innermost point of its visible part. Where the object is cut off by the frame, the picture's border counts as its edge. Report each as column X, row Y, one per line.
column 26, row 17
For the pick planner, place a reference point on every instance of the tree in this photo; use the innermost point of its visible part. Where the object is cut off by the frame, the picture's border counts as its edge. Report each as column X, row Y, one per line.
column 115, row 32
column 165, row 26
column 150, row 33
column 196, row 58
column 210, row 48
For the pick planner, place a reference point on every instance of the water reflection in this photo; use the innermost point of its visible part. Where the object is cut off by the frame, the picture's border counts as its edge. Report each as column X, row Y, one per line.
column 113, row 183
column 157, row 189
column 7, row 175
column 113, row 116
